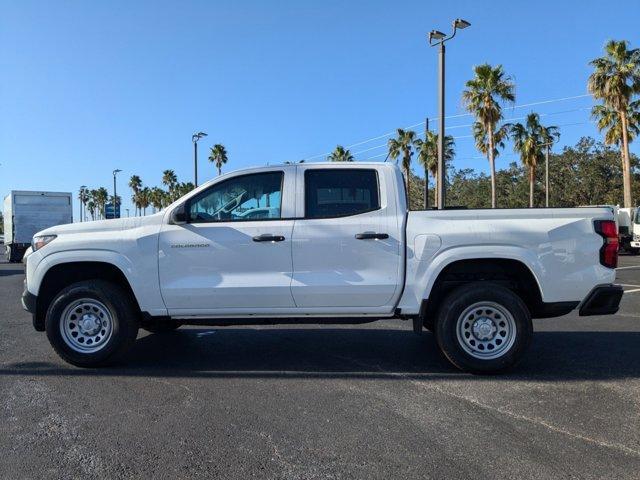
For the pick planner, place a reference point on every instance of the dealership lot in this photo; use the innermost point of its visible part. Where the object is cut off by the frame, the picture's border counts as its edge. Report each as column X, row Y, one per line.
column 370, row 401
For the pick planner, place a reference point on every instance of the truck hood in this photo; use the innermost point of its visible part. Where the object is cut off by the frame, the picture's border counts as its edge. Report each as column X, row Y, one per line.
column 103, row 225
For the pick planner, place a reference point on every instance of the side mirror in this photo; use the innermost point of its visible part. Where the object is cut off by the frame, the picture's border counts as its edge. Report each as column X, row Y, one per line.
column 179, row 215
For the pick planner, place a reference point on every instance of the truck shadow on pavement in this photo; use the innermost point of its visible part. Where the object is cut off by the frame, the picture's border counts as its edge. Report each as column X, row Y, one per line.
column 350, row 353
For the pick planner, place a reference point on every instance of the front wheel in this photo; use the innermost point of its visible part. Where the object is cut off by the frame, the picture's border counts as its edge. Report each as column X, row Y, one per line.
column 91, row 323
column 483, row 328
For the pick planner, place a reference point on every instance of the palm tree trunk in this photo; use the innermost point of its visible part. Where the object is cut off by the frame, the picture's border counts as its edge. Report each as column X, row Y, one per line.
column 492, row 165
column 435, row 189
column 532, row 176
column 426, row 189
column 219, row 170
column 626, row 164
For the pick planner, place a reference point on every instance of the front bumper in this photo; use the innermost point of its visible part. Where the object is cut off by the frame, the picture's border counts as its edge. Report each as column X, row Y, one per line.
column 602, row 300
column 634, row 244
column 29, row 300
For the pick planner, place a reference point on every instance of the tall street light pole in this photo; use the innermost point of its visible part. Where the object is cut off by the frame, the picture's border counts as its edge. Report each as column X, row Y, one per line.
column 194, row 138
column 437, row 38
column 115, row 192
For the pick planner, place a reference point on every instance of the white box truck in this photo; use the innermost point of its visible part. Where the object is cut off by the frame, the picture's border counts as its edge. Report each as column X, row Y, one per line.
column 26, row 213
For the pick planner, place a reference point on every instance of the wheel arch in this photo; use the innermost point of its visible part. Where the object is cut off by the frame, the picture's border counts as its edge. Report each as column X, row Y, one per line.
column 511, row 273
column 63, row 274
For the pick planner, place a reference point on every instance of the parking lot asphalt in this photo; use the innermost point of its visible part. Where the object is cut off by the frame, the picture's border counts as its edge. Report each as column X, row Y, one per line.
column 368, row 401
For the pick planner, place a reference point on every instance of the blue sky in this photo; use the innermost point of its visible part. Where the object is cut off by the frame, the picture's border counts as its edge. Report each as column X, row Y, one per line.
column 86, row 87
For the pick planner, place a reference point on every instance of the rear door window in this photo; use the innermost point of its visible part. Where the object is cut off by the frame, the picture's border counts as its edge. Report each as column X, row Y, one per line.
column 340, row 192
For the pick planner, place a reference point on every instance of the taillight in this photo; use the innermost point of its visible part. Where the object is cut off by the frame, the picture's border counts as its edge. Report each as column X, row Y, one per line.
column 609, row 250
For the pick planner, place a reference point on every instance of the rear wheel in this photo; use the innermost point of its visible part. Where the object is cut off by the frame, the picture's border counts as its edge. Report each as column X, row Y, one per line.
column 483, row 328
column 91, row 323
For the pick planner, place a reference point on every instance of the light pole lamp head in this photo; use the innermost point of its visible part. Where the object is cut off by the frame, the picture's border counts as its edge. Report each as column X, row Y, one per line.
column 460, row 24
column 435, row 35
column 197, row 136
column 116, row 171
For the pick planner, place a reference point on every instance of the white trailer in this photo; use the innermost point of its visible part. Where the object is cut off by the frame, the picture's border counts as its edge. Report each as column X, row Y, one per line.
column 26, row 213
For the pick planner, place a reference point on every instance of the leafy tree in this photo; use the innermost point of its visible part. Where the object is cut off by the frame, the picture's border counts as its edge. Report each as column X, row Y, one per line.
column 483, row 95
column 528, row 140
column 615, row 80
column 340, row 154
column 218, row 156
column 428, row 157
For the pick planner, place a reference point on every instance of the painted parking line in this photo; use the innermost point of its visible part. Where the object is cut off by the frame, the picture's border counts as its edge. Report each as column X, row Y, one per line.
column 632, row 291
column 628, row 268
column 629, row 285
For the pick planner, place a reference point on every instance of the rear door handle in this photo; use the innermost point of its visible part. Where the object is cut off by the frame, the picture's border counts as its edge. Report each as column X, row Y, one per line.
column 371, row 236
column 267, row 237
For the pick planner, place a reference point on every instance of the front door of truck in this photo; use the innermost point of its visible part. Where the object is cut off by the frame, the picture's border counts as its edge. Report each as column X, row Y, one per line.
column 233, row 256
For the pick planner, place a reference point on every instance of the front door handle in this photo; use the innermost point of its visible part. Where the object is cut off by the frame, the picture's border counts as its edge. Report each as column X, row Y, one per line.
column 267, row 237
column 371, row 236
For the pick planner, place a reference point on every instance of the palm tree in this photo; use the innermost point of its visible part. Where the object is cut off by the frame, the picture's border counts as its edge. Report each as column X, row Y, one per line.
column 83, row 197
column 609, row 120
column 485, row 91
column 340, row 154
column 529, row 140
column 91, row 206
column 218, row 156
column 184, row 188
column 145, row 199
column 100, row 197
column 428, row 157
column 403, row 144
column 155, row 197
column 169, row 179
column 135, row 184
column 615, row 80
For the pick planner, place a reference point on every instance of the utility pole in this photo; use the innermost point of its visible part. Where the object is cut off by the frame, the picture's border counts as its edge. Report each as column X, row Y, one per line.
column 194, row 138
column 546, row 176
column 426, row 170
column 115, row 193
column 82, row 195
column 438, row 38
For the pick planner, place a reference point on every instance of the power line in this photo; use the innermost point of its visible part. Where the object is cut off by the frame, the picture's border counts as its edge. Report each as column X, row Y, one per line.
column 470, row 125
column 388, row 134
column 467, row 136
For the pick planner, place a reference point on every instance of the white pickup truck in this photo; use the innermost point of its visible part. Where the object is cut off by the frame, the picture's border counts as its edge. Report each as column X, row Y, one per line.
column 321, row 243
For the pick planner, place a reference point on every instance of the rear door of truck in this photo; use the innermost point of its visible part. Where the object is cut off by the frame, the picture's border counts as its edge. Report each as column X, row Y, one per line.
column 347, row 241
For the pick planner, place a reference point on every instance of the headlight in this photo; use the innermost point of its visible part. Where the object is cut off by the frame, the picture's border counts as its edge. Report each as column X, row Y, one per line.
column 39, row 242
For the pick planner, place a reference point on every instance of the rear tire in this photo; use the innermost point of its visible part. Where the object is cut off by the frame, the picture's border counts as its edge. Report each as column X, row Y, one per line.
column 92, row 323
column 483, row 328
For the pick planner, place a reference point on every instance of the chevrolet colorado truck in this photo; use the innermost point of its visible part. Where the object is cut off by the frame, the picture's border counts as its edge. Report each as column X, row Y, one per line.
column 321, row 243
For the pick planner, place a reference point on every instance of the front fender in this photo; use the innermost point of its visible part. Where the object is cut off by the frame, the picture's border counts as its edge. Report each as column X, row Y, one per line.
column 142, row 279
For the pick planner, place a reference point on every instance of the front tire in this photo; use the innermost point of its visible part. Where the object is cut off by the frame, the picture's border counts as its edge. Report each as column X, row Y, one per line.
column 92, row 323
column 483, row 328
